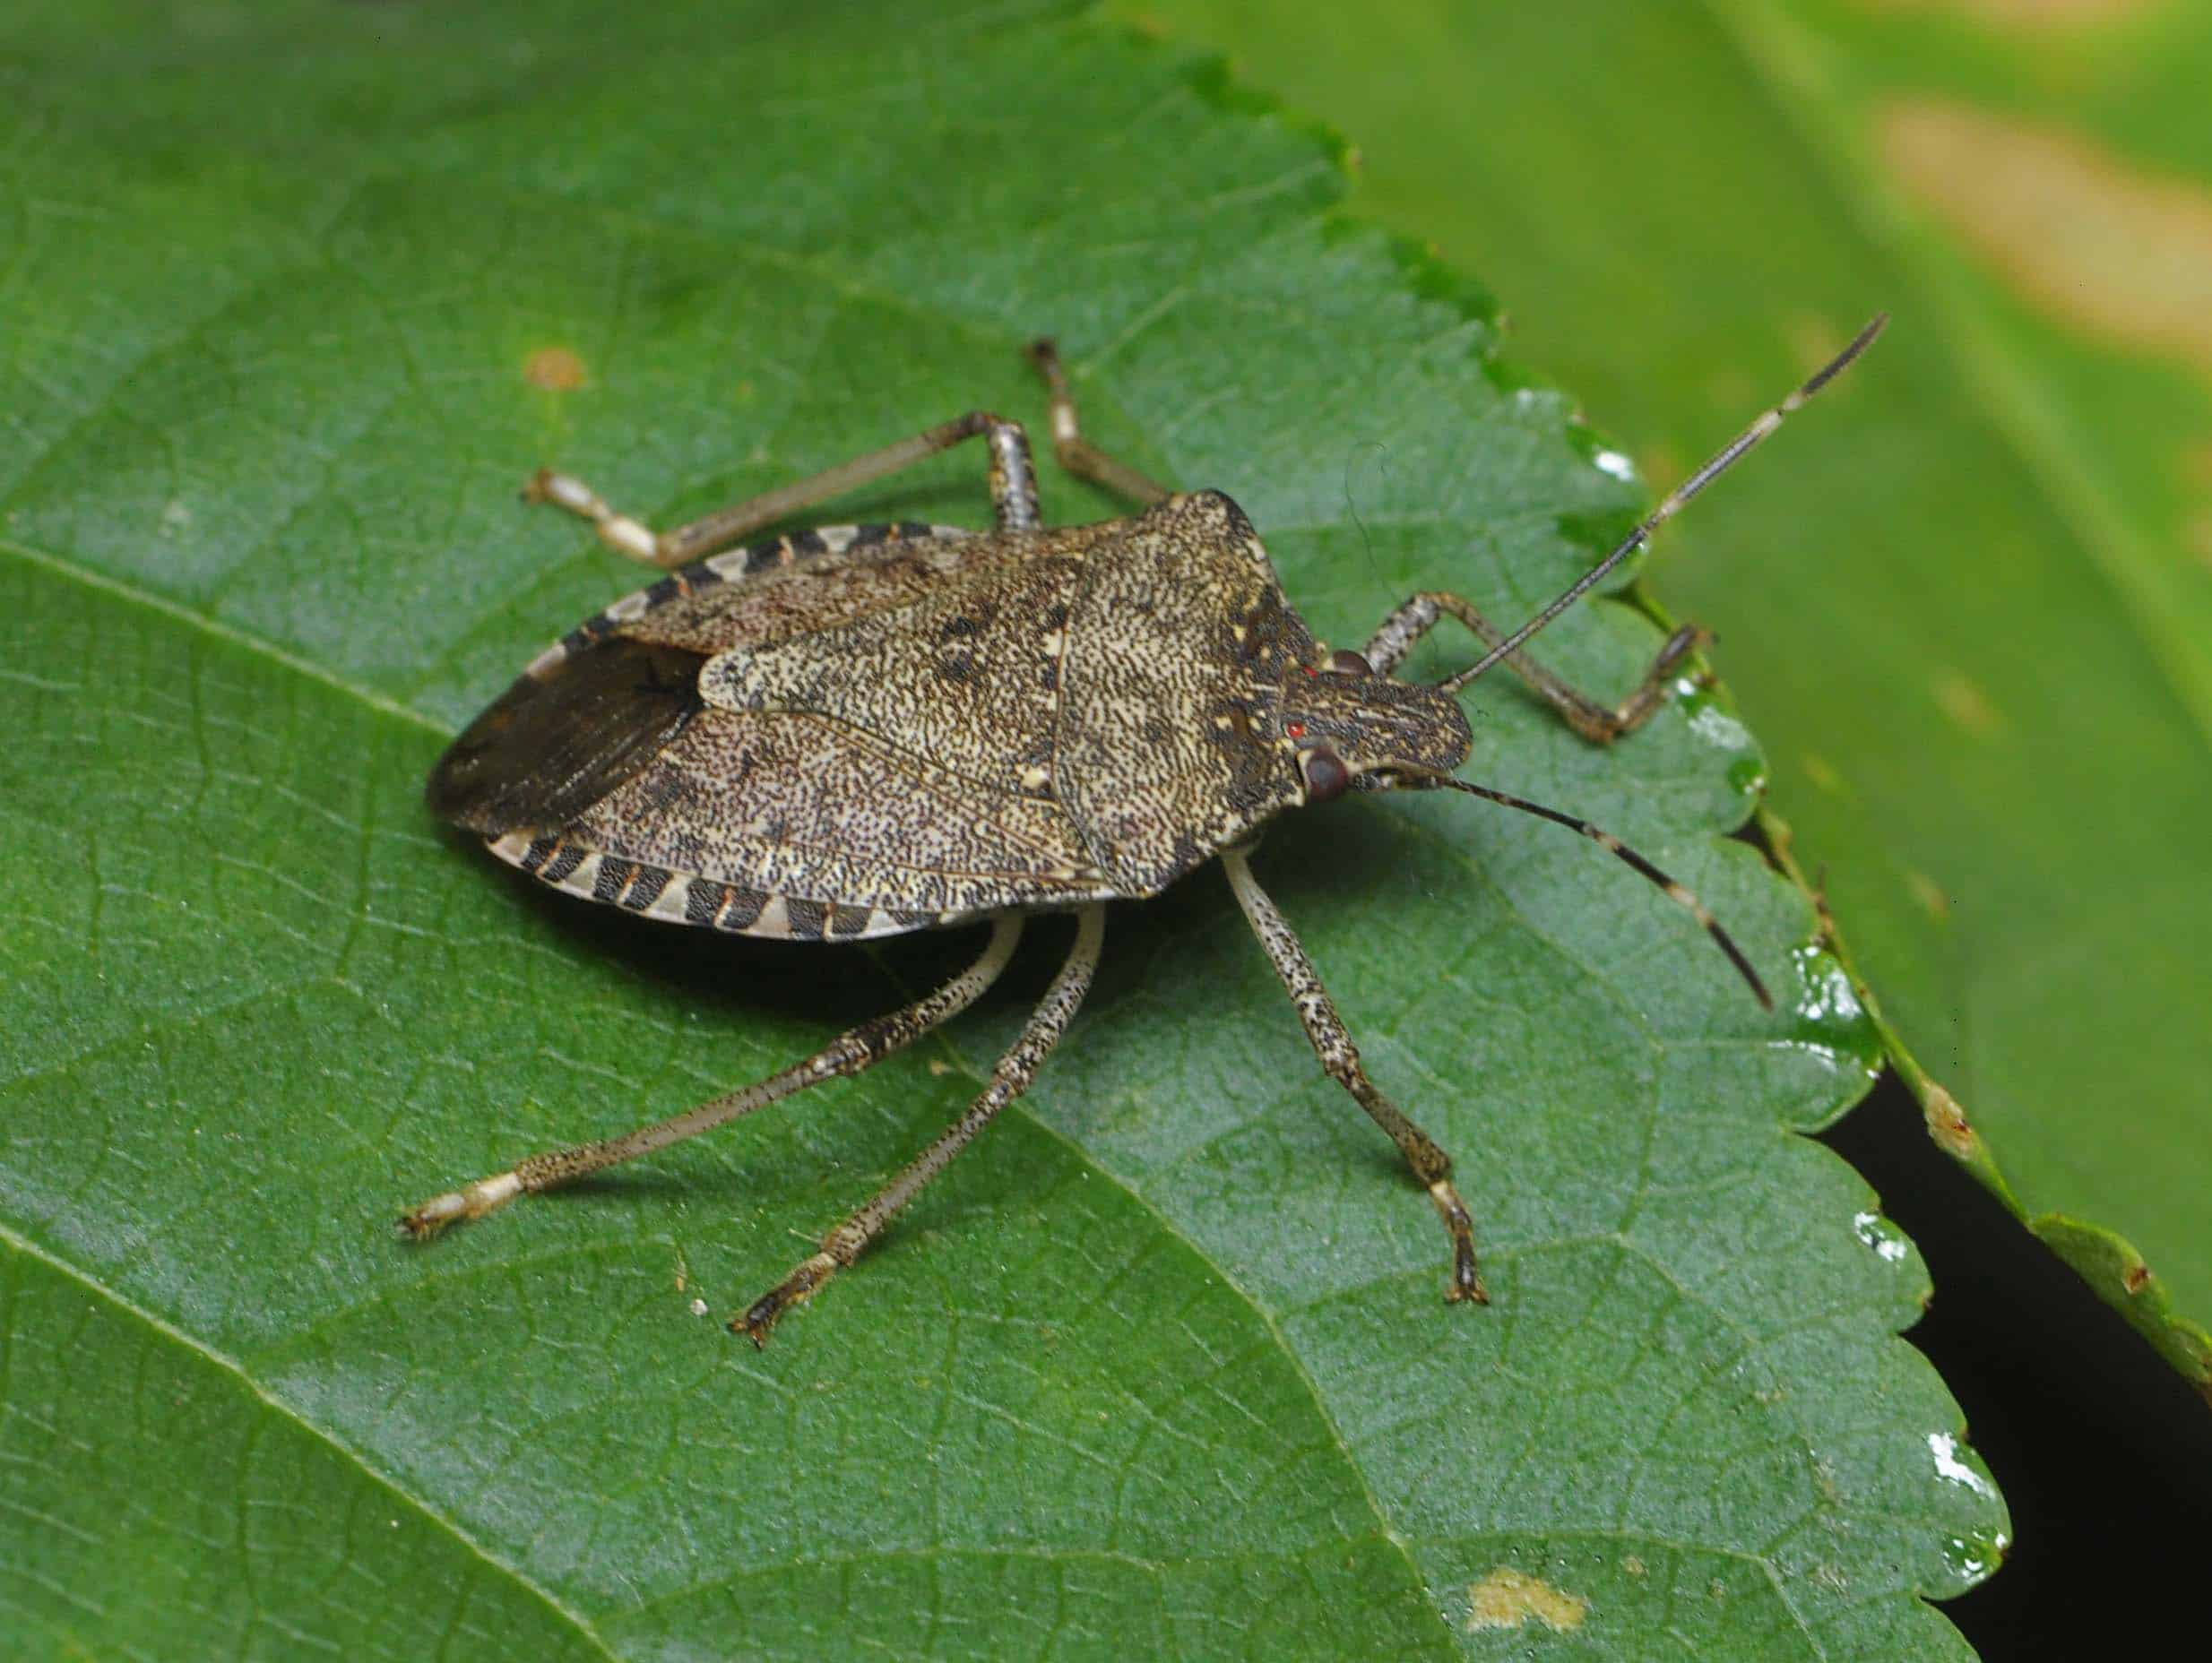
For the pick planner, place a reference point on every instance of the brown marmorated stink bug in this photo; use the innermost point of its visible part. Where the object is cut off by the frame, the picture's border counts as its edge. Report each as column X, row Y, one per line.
column 856, row 731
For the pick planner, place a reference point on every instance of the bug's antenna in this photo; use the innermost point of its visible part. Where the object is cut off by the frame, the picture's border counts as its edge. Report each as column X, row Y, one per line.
column 1678, row 499
column 1676, row 893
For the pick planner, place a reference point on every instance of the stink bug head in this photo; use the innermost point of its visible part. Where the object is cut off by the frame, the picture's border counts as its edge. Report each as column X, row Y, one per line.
column 1345, row 724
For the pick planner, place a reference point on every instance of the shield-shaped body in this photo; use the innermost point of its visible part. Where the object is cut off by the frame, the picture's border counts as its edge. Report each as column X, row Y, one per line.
column 856, row 731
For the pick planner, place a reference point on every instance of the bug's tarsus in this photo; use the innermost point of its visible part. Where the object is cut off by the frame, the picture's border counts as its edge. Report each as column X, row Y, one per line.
column 633, row 538
column 1677, row 892
column 759, row 1318
column 1076, row 453
column 473, row 1200
column 1340, row 1060
column 1679, row 498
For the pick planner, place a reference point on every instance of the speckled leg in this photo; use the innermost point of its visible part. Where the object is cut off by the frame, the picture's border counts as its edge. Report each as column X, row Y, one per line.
column 1008, row 1080
column 1341, row 1060
column 1076, row 453
column 1593, row 721
column 849, row 1054
column 1012, row 493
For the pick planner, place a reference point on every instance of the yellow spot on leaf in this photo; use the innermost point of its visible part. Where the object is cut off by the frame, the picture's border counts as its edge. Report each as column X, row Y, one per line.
column 1508, row 1598
column 1948, row 1125
column 2197, row 536
column 1965, row 704
column 2075, row 230
column 1633, row 1564
column 1821, row 773
column 1814, row 340
column 1925, row 891
column 557, row 369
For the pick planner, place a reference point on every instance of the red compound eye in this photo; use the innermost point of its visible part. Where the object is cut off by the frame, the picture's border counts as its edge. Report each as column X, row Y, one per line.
column 1296, row 731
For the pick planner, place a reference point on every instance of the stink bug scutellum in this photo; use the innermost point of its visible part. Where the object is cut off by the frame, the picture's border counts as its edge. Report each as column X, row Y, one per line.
column 861, row 730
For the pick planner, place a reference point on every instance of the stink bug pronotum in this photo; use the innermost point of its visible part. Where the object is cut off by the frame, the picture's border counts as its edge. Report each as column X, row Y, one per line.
column 856, row 731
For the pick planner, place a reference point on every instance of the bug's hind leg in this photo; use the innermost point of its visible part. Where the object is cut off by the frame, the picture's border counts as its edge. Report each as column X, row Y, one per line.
column 850, row 1053
column 1599, row 723
column 1076, row 453
column 1013, row 490
column 1340, row 1057
column 1008, row 1080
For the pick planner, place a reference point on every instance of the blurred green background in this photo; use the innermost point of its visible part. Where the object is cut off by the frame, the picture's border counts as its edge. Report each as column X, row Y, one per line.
column 1969, row 606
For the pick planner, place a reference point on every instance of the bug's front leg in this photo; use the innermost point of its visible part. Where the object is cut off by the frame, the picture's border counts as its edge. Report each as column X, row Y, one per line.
column 1594, row 721
column 1340, row 1058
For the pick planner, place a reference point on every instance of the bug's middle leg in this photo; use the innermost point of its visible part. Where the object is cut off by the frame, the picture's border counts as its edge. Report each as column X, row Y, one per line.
column 1008, row 1080
column 1586, row 716
column 1013, row 491
column 1340, row 1057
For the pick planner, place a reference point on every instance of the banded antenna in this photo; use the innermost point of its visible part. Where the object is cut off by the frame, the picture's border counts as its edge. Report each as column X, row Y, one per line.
column 1678, row 499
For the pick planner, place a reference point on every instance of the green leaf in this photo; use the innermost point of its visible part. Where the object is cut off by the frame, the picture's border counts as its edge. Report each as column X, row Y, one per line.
column 295, row 297
column 1972, row 610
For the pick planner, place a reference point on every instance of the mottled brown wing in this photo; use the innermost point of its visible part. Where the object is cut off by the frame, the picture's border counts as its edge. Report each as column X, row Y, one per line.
column 551, row 746
column 865, row 765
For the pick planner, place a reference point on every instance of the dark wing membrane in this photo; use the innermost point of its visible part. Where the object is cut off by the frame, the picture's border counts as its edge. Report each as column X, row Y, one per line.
column 561, row 739
column 618, row 689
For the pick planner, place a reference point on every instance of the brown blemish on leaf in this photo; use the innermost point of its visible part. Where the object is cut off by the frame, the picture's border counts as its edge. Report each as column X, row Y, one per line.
column 1508, row 1598
column 1948, row 1124
column 1731, row 389
column 2198, row 535
column 1965, row 704
column 1930, row 896
column 557, row 369
column 2136, row 1279
column 1813, row 340
column 2088, row 238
